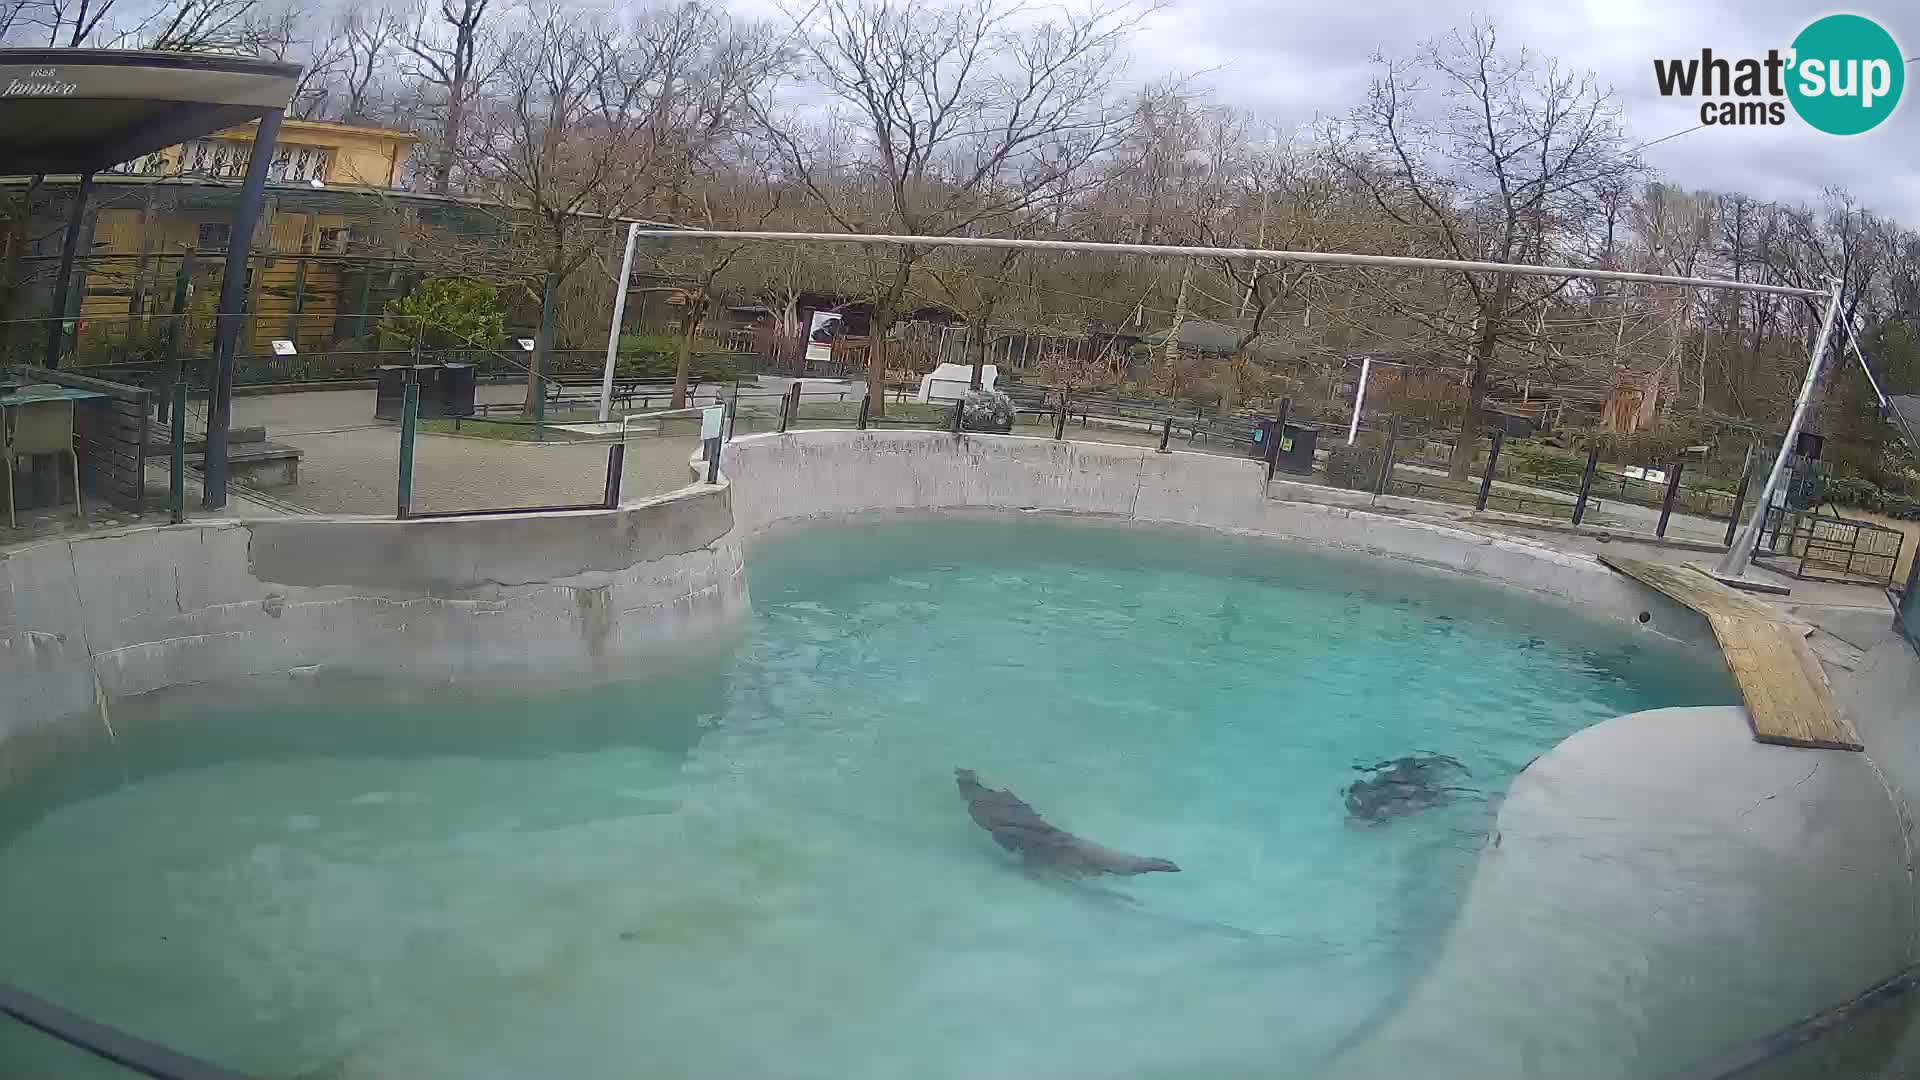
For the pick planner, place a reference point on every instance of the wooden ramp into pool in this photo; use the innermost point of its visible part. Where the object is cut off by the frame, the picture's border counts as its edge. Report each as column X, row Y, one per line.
column 1788, row 700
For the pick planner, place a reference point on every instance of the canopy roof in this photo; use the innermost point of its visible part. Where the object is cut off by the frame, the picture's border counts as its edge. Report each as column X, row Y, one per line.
column 84, row 110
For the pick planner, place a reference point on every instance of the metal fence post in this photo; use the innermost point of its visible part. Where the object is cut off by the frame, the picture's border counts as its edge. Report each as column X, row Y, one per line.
column 959, row 409
column 1060, row 418
column 616, row 470
column 1666, row 504
column 1381, row 483
column 1586, row 484
column 1166, row 432
column 866, row 407
column 714, row 446
column 733, row 409
column 1279, row 432
column 409, row 417
column 1486, row 479
column 786, row 404
column 177, row 466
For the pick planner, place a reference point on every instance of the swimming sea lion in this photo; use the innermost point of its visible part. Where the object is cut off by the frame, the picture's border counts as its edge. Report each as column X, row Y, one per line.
column 1020, row 829
column 1403, row 786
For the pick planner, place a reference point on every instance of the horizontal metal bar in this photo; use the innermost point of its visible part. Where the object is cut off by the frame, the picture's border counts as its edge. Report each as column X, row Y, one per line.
column 1757, row 1052
column 495, row 511
column 1332, row 258
column 143, row 1057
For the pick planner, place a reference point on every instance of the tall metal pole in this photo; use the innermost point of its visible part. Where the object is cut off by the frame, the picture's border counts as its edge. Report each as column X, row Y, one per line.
column 233, row 287
column 619, row 313
column 1359, row 398
column 1735, row 562
column 69, row 246
column 1328, row 258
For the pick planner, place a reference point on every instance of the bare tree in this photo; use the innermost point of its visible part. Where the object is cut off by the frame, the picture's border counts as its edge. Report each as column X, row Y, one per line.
column 1502, row 172
column 451, row 51
column 368, row 36
column 228, row 26
column 951, row 116
column 595, row 123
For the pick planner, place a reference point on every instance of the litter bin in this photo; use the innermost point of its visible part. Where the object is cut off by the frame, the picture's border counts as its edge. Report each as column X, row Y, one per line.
column 456, row 389
column 1296, row 448
column 389, row 391
column 1260, row 434
column 433, row 381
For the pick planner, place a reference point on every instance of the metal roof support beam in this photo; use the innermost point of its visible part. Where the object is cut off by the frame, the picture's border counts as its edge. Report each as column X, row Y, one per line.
column 69, row 245
column 233, row 290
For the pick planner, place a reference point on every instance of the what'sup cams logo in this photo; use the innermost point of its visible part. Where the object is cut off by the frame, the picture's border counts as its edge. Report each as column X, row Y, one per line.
column 1843, row 75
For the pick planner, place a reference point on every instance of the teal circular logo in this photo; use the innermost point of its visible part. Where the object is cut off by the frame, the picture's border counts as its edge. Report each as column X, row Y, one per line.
column 1846, row 74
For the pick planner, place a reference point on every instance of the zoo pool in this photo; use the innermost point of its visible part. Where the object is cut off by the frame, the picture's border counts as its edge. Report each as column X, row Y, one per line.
column 760, row 865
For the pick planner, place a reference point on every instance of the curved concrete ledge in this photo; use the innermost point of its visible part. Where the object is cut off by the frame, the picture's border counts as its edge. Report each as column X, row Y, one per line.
column 780, row 480
column 104, row 616
column 1659, row 888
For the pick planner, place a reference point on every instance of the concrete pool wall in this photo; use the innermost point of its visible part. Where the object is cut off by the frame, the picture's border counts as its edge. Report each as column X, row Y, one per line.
column 93, row 618
column 785, row 479
column 1660, row 869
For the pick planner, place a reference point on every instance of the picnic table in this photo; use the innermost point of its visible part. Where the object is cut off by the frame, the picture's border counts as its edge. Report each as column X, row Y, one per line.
column 12, row 395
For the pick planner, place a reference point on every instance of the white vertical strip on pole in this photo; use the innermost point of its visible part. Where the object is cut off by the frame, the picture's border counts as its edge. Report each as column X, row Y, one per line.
column 619, row 314
column 1854, row 343
column 1734, row 563
column 1359, row 398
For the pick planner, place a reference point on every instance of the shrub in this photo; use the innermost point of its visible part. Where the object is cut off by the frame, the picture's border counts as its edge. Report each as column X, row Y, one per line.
column 701, row 367
column 1545, row 463
column 987, row 410
column 445, row 313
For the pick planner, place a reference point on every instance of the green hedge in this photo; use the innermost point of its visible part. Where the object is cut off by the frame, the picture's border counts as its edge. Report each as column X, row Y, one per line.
column 655, row 356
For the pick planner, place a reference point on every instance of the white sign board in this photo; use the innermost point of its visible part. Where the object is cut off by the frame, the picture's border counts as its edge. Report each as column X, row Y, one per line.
column 710, row 421
column 1651, row 476
column 949, row 382
column 526, row 343
column 820, row 335
column 283, row 347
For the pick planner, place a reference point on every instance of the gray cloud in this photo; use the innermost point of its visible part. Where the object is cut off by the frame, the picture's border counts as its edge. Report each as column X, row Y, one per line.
column 1297, row 58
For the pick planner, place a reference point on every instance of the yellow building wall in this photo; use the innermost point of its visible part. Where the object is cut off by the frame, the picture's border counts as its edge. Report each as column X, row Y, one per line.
column 116, row 266
column 370, row 156
column 359, row 156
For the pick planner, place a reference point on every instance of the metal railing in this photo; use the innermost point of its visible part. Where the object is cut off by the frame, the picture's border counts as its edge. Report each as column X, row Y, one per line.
column 1819, row 1034
column 1815, row 547
column 104, row 1042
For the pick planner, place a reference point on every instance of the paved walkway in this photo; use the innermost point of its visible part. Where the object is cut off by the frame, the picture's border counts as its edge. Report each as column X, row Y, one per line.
column 357, row 472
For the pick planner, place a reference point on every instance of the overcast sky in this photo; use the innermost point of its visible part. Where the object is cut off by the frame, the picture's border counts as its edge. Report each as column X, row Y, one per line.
column 1295, row 58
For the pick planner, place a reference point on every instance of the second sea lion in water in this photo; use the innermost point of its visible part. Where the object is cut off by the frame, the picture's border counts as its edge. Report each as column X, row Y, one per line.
column 1044, row 848
column 1402, row 786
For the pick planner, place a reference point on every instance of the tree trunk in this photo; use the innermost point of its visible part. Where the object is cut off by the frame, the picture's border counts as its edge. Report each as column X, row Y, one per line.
column 1468, row 444
column 879, row 324
column 689, row 322
column 449, row 137
column 979, row 345
column 535, row 406
column 1236, row 370
column 1179, row 319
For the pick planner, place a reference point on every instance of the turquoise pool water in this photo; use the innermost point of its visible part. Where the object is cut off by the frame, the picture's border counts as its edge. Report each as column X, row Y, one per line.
column 760, row 866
